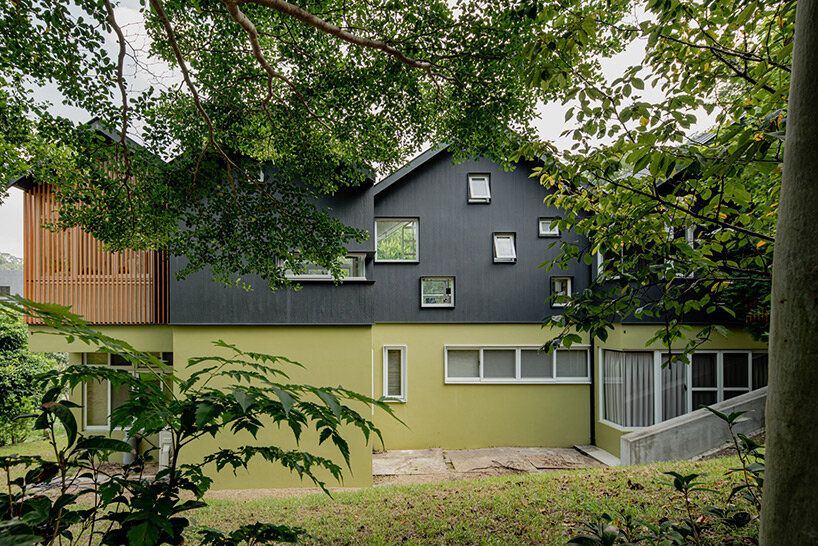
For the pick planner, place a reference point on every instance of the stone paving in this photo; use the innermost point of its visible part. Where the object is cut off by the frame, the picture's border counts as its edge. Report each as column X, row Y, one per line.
column 435, row 465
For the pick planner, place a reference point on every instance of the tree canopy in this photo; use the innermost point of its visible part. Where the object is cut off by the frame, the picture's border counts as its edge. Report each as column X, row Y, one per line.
column 325, row 91
column 681, row 226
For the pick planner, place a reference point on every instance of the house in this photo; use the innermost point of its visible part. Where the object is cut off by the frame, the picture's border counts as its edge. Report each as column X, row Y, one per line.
column 440, row 313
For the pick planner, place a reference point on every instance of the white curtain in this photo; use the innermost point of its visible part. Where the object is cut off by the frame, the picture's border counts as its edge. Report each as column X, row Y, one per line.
column 674, row 390
column 628, row 388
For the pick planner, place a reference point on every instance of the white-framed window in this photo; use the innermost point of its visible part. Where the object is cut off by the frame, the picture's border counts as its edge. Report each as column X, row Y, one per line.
column 100, row 398
column 479, row 188
column 690, row 239
column 437, row 291
column 394, row 373
column 505, row 248
column 640, row 388
column 545, row 229
column 561, row 290
column 396, row 239
column 513, row 364
column 353, row 268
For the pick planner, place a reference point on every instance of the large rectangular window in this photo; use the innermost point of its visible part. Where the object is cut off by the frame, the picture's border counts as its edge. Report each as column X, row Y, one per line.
column 396, row 240
column 437, row 291
column 642, row 388
column 394, row 373
column 504, row 364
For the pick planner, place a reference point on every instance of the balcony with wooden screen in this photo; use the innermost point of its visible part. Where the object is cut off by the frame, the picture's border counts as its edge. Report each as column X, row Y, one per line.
column 71, row 268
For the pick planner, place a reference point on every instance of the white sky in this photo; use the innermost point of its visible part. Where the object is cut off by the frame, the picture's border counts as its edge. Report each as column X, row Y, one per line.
column 550, row 124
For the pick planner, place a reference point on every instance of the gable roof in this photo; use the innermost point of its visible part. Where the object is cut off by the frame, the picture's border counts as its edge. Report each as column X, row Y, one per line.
column 23, row 181
column 413, row 165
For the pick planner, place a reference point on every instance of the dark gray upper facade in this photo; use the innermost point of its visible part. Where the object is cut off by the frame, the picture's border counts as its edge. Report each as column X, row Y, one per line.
column 455, row 240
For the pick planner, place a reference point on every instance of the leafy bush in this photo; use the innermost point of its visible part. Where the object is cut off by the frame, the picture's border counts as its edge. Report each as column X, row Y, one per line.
column 18, row 369
column 741, row 507
column 127, row 508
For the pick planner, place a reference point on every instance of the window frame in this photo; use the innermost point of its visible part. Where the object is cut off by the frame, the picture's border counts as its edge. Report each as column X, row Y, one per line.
column 415, row 219
column 690, row 239
column 549, row 232
column 403, row 374
column 504, row 259
column 518, row 379
column 132, row 371
column 328, row 276
column 570, row 280
column 425, row 305
column 472, row 199
column 657, row 382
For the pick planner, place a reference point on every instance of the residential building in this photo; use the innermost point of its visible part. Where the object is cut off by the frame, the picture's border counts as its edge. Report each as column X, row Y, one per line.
column 440, row 313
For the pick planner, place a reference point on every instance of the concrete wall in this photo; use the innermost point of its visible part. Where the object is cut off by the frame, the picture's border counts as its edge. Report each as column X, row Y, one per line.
column 13, row 278
column 458, row 416
column 690, row 435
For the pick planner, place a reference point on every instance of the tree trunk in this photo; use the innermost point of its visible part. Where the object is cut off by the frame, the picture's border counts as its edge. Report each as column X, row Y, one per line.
column 790, row 504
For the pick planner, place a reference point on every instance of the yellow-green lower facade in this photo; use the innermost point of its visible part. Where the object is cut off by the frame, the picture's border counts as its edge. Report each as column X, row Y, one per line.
column 453, row 386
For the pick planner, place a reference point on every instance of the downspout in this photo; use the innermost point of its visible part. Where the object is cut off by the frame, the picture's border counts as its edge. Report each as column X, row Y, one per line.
column 593, row 391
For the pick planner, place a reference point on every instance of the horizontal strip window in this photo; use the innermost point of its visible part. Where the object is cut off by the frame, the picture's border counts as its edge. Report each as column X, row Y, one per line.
column 352, row 269
column 498, row 364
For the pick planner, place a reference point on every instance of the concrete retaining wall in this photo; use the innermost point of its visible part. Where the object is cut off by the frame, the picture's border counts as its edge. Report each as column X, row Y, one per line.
column 692, row 434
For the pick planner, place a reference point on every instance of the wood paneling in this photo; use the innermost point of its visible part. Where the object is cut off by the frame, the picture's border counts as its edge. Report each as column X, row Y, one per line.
column 70, row 267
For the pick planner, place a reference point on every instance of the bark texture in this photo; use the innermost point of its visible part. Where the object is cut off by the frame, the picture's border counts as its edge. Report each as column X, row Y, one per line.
column 790, row 503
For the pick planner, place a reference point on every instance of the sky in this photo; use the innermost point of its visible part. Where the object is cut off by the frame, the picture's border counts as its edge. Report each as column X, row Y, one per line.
column 549, row 126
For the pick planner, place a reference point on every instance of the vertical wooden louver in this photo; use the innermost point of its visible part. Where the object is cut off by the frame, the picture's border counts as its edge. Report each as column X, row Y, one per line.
column 71, row 268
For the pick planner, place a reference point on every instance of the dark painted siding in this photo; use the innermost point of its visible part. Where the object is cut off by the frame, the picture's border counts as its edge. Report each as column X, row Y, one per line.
column 199, row 300
column 456, row 240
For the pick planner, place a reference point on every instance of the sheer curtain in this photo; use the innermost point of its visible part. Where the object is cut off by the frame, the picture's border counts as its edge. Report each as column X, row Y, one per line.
column 628, row 388
column 674, row 390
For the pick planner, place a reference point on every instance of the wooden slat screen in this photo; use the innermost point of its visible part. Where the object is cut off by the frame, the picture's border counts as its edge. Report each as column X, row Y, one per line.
column 71, row 268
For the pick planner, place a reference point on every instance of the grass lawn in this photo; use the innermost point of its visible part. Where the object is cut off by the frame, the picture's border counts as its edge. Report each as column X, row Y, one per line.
column 529, row 509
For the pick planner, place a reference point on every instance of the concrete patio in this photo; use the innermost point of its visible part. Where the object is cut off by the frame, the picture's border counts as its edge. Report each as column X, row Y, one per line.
column 435, row 465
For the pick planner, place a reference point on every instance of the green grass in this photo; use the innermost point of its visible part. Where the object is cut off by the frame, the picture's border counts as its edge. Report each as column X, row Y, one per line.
column 529, row 509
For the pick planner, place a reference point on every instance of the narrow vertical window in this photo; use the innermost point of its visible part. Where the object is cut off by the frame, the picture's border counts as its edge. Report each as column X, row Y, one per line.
column 505, row 250
column 561, row 290
column 394, row 373
column 479, row 188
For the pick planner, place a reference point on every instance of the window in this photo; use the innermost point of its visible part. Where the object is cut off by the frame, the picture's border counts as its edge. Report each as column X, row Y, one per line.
column 561, row 290
column 673, row 235
column 545, row 229
column 631, row 398
column 504, row 364
column 437, row 291
column 5, row 290
column 353, row 268
column 479, row 188
column 397, row 240
column 505, row 250
column 100, row 398
column 394, row 373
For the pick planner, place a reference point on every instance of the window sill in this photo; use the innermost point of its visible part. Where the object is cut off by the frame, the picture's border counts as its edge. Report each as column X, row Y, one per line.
column 377, row 261
column 394, row 400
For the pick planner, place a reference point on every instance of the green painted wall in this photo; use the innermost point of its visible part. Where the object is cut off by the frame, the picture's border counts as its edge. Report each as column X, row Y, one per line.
column 475, row 416
column 333, row 356
column 144, row 338
column 633, row 338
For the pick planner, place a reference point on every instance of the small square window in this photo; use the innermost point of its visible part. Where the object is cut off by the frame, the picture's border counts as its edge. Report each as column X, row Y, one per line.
column 479, row 188
column 545, row 229
column 437, row 291
column 5, row 290
column 561, row 290
column 505, row 250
